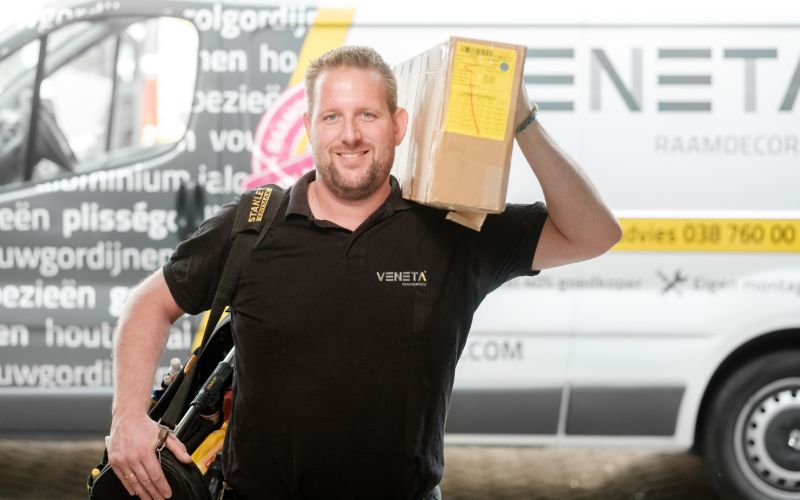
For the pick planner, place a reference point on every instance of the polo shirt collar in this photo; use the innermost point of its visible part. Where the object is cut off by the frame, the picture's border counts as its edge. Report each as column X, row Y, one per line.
column 298, row 196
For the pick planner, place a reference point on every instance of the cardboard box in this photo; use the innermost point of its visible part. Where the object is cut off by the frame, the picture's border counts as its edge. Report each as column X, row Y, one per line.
column 461, row 97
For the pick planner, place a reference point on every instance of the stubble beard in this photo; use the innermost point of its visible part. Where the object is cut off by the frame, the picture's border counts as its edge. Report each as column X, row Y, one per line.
column 371, row 181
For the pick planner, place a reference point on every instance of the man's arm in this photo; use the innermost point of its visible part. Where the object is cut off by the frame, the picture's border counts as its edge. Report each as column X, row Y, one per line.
column 579, row 225
column 141, row 335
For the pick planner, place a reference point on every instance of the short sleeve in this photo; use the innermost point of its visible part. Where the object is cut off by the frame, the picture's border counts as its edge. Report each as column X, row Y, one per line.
column 505, row 246
column 195, row 267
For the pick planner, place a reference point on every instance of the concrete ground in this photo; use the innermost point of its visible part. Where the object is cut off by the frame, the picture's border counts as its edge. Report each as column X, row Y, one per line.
column 50, row 470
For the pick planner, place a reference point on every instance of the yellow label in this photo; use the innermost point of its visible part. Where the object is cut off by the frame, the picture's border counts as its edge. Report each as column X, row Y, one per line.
column 710, row 235
column 480, row 90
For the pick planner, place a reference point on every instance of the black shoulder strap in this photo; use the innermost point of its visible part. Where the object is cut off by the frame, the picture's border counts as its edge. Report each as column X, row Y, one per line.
column 254, row 216
column 257, row 209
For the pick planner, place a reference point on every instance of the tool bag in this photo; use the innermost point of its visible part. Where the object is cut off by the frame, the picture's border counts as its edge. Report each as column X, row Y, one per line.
column 208, row 371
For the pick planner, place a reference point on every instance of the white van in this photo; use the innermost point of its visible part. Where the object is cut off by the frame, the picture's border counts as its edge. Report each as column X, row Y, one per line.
column 124, row 123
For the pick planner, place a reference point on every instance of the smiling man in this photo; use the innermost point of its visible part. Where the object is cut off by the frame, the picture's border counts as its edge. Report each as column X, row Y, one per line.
column 354, row 134
column 343, row 375
column 354, row 124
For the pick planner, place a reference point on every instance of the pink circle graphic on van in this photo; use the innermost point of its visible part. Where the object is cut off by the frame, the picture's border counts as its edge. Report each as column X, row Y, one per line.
column 279, row 134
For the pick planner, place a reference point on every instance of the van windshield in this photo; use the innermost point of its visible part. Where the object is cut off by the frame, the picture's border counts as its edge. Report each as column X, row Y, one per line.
column 98, row 101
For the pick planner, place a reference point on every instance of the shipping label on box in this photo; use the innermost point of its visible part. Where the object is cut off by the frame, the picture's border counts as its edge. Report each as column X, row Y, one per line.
column 461, row 97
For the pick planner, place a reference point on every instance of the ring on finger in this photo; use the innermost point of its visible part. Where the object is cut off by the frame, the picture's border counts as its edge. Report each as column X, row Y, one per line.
column 131, row 477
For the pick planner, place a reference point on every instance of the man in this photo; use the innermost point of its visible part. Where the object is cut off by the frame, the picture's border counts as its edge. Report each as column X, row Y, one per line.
column 343, row 379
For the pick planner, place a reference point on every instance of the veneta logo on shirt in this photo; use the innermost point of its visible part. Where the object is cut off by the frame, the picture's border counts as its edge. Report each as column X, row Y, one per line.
column 405, row 278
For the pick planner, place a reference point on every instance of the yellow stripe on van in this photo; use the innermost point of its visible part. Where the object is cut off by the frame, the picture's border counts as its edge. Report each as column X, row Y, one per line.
column 328, row 32
column 710, row 235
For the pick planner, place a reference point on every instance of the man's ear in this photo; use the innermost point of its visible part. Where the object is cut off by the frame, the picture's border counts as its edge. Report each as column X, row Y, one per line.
column 400, row 119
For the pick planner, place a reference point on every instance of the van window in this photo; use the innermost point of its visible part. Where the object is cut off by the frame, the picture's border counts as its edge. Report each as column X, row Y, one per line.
column 17, row 63
column 15, row 94
column 114, row 92
column 17, row 68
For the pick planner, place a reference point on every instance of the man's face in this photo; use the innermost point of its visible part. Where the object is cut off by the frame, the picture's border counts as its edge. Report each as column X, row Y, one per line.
column 352, row 132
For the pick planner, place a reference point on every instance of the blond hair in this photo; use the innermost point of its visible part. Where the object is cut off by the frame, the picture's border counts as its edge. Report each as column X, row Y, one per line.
column 352, row 56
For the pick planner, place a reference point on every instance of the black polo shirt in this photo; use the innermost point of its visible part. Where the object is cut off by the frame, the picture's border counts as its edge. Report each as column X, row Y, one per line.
column 347, row 341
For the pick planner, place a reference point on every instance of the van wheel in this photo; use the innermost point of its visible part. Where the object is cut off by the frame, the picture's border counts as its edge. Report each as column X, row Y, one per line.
column 751, row 438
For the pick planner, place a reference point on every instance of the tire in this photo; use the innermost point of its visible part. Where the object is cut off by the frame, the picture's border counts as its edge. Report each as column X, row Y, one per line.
column 751, row 435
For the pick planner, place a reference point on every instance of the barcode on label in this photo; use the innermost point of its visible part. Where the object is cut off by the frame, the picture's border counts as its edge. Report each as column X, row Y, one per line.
column 477, row 51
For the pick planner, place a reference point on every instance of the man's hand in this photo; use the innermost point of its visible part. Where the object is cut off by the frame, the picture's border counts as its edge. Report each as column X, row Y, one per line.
column 523, row 105
column 132, row 456
column 142, row 333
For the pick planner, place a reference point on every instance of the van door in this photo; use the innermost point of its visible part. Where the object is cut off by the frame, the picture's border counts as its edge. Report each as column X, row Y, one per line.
column 93, row 113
